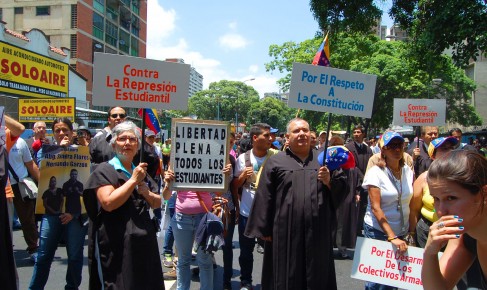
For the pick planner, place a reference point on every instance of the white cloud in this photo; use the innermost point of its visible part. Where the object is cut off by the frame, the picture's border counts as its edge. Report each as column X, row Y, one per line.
column 161, row 30
column 254, row 68
column 233, row 41
column 161, row 22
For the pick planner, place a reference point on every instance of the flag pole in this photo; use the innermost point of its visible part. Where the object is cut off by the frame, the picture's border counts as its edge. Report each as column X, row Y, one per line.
column 328, row 129
column 143, row 136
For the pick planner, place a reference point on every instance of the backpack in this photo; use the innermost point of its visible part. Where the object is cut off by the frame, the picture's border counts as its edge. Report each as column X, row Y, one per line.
column 209, row 234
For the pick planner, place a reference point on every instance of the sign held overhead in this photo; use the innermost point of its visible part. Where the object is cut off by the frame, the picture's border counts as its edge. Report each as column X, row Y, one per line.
column 135, row 82
column 326, row 89
column 419, row 112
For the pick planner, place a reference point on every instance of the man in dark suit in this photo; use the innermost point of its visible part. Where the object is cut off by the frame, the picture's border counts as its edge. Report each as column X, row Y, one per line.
column 422, row 160
column 362, row 153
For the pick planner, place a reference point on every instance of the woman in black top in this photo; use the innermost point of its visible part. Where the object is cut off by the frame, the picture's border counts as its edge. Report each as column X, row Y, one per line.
column 123, row 245
column 458, row 184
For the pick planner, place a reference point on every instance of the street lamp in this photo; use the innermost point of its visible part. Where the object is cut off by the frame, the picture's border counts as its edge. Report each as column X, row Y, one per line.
column 236, row 111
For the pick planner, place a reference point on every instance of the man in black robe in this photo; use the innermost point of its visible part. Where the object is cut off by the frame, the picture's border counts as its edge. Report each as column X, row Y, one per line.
column 294, row 212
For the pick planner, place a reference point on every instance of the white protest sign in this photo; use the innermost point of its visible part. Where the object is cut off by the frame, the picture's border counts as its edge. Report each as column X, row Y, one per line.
column 381, row 262
column 326, row 89
column 419, row 112
column 134, row 82
column 199, row 152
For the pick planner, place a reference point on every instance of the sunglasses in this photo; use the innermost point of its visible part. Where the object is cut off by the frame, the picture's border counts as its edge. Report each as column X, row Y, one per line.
column 395, row 146
column 114, row 116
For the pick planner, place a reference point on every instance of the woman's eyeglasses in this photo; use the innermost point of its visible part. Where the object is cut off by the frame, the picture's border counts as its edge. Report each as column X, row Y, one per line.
column 123, row 139
column 395, row 146
column 114, row 116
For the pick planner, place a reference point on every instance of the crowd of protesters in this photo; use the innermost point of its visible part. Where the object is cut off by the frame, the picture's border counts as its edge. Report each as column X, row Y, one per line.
column 282, row 199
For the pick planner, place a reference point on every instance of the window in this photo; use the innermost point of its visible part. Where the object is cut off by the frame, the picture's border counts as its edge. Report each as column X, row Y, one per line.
column 98, row 26
column 19, row 10
column 134, row 47
column 42, row 10
column 74, row 16
column 74, row 43
column 111, row 33
column 99, row 5
column 124, row 42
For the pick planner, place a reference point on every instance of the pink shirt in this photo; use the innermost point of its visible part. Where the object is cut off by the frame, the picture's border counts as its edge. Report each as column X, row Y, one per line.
column 188, row 202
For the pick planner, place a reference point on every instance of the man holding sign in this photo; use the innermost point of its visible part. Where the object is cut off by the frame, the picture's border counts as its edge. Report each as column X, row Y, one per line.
column 293, row 210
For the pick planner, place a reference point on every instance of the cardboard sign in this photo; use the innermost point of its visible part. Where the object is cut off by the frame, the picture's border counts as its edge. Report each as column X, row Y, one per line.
column 326, row 89
column 27, row 73
column 134, row 82
column 33, row 110
column 419, row 112
column 381, row 262
column 199, row 152
column 63, row 173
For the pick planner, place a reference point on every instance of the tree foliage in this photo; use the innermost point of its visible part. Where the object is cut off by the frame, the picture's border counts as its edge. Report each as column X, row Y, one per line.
column 227, row 98
column 436, row 26
column 348, row 15
column 398, row 75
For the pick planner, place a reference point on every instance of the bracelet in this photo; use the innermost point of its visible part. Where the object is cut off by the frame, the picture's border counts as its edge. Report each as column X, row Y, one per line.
column 393, row 238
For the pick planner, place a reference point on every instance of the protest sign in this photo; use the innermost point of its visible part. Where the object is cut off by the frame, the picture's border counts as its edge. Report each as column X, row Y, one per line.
column 419, row 112
column 134, row 82
column 63, row 173
column 381, row 262
column 326, row 89
column 33, row 110
column 199, row 152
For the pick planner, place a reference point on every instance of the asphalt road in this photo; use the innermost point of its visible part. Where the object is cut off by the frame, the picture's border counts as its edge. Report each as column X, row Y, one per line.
column 58, row 269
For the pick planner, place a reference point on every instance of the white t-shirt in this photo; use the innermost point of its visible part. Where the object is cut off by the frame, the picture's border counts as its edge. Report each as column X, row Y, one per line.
column 18, row 156
column 248, row 192
column 388, row 198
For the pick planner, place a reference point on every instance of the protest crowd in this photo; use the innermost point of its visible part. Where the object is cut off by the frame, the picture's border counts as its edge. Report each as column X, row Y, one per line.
column 300, row 198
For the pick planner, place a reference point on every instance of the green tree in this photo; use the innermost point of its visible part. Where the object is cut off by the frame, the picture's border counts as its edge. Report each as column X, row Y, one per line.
column 224, row 98
column 435, row 26
column 398, row 76
column 345, row 15
column 271, row 111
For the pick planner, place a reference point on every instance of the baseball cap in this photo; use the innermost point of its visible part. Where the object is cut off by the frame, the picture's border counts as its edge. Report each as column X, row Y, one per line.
column 149, row 133
column 435, row 144
column 322, row 132
column 277, row 144
column 273, row 130
column 387, row 137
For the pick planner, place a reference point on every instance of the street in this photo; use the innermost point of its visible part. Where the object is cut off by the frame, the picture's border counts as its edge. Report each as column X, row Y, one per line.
column 58, row 269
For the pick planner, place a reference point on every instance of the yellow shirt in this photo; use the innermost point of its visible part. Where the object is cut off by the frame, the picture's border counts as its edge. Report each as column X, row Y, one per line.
column 428, row 209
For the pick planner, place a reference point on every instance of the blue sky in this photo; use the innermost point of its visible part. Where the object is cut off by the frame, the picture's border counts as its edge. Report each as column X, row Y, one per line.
column 226, row 40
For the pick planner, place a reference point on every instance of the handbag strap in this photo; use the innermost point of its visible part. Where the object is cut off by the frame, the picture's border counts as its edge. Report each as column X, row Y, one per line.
column 12, row 171
column 201, row 201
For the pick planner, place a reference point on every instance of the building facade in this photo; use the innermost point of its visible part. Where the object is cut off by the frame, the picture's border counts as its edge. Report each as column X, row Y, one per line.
column 195, row 78
column 84, row 27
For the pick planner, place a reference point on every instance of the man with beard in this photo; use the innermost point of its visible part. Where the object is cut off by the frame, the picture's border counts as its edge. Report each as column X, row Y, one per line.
column 294, row 212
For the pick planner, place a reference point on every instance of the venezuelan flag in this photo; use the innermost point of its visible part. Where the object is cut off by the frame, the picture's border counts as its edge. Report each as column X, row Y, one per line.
column 151, row 120
column 322, row 56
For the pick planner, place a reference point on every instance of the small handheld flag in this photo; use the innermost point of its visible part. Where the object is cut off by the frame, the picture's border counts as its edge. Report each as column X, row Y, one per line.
column 151, row 120
column 322, row 57
column 337, row 156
